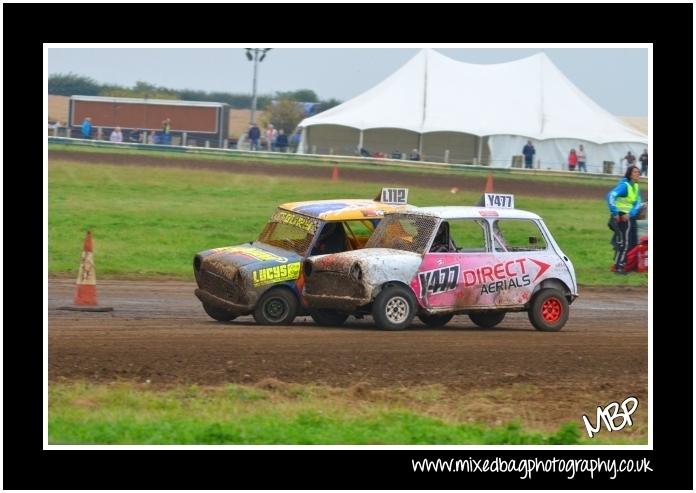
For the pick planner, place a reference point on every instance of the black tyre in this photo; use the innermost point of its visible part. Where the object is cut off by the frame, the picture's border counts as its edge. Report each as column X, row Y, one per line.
column 394, row 308
column 331, row 318
column 435, row 320
column 549, row 310
column 276, row 307
column 219, row 314
column 487, row 320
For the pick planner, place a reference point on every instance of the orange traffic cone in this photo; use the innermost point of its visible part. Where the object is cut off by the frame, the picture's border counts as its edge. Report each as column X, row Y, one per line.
column 86, row 290
column 489, row 184
column 488, row 189
column 334, row 174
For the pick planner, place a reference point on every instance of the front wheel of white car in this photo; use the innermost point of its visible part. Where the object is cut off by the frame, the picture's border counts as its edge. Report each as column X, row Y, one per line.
column 394, row 308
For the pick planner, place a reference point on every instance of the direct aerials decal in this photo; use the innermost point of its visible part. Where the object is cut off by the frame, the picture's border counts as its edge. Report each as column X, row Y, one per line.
column 503, row 275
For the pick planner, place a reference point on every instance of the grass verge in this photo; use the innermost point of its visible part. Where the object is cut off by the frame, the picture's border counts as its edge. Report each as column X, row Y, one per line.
column 273, row 412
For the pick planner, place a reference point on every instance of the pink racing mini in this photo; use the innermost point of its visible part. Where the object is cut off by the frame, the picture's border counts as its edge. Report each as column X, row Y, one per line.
column 436, row 262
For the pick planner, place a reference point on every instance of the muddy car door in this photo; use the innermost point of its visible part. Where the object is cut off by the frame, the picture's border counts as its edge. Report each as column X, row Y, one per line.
column 460, row 246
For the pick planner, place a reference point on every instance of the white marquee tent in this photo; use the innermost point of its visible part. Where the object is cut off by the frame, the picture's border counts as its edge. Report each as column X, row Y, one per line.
column 469, row 113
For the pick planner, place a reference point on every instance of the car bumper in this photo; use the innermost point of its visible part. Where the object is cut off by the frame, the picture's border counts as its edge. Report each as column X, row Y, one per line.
column 211, row 299
column 336, row 291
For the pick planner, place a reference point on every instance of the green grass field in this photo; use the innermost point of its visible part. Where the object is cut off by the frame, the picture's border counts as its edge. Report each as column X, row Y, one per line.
column 149, row 222
column 126, row 413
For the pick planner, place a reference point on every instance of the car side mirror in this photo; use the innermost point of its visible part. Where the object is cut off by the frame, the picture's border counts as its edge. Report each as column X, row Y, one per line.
column 533, row 240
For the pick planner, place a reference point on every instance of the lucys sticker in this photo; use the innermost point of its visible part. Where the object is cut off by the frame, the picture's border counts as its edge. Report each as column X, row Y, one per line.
column 277, row 273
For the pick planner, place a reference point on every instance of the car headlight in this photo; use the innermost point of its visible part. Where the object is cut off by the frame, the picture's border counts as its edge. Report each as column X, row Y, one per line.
column 355, row 272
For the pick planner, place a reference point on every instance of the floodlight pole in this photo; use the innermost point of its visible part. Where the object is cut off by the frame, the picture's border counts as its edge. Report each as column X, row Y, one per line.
column 253, row 97
column 256, row 52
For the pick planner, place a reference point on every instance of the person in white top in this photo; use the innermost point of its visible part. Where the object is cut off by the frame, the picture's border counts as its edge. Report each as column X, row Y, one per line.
column 271, row 134
column 582, row 159
column 116, row 135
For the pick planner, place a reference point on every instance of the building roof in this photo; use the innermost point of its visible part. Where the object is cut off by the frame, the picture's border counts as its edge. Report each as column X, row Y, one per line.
column 529, row 97
column 168, row 102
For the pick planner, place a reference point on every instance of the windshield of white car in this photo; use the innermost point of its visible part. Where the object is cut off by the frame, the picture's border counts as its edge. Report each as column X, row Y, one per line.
column 411, row 233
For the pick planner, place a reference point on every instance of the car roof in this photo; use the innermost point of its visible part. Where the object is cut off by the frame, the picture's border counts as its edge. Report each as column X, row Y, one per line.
column 344, row 209
column 457, row 212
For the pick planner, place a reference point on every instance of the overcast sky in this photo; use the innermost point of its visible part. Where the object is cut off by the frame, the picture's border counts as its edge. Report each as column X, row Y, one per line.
column 615, row 78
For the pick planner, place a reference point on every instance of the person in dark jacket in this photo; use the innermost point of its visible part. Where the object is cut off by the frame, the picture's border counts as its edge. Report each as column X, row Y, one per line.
column 528, row 152
column 254, row 136
column 644, row 163
column 624, row 205
column 281, row 143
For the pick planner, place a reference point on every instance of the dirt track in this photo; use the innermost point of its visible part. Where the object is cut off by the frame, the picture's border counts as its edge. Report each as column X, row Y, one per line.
column 377, row 175
column 159, row 332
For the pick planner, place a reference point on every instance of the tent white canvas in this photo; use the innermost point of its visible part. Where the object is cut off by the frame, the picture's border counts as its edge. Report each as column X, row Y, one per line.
column 461, row 112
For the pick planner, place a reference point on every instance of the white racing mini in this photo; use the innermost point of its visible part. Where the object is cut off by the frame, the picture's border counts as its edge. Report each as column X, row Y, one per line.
column 436, row 262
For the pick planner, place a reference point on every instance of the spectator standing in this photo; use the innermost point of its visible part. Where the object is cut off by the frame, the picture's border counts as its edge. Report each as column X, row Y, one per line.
column 630, row 159
column 135, row 136
column 87, row 128
column 116, row 135
column 281, row 142
column 528, row 152
column 572, row 160
column 624, row 204
column 271, row 135
column 582, row 159
column 415, row 155
column 295, row 141
column 644, row 163
column 254, row 136
column 166, row 131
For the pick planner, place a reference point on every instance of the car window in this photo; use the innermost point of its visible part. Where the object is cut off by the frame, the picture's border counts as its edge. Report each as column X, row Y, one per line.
column 358, row 232
column 289, row 231
column 468, row 235
column 517, row 235
column 411, row 233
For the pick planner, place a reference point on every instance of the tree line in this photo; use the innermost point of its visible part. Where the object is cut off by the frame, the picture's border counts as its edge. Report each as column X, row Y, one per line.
column 72, row 84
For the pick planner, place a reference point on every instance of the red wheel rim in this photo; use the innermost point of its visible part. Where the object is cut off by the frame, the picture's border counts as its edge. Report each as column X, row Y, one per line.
column 551, row 310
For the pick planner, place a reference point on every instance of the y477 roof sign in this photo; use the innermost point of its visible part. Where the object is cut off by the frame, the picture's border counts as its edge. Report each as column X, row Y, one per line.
column 499, row 200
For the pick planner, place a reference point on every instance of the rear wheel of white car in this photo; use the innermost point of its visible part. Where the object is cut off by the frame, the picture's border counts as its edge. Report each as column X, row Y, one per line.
column 331, row 318
column 219, row 314
column 435, row 320
column 549, row 310
column 276, row 307
column 487, row 320
column 394, row 308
